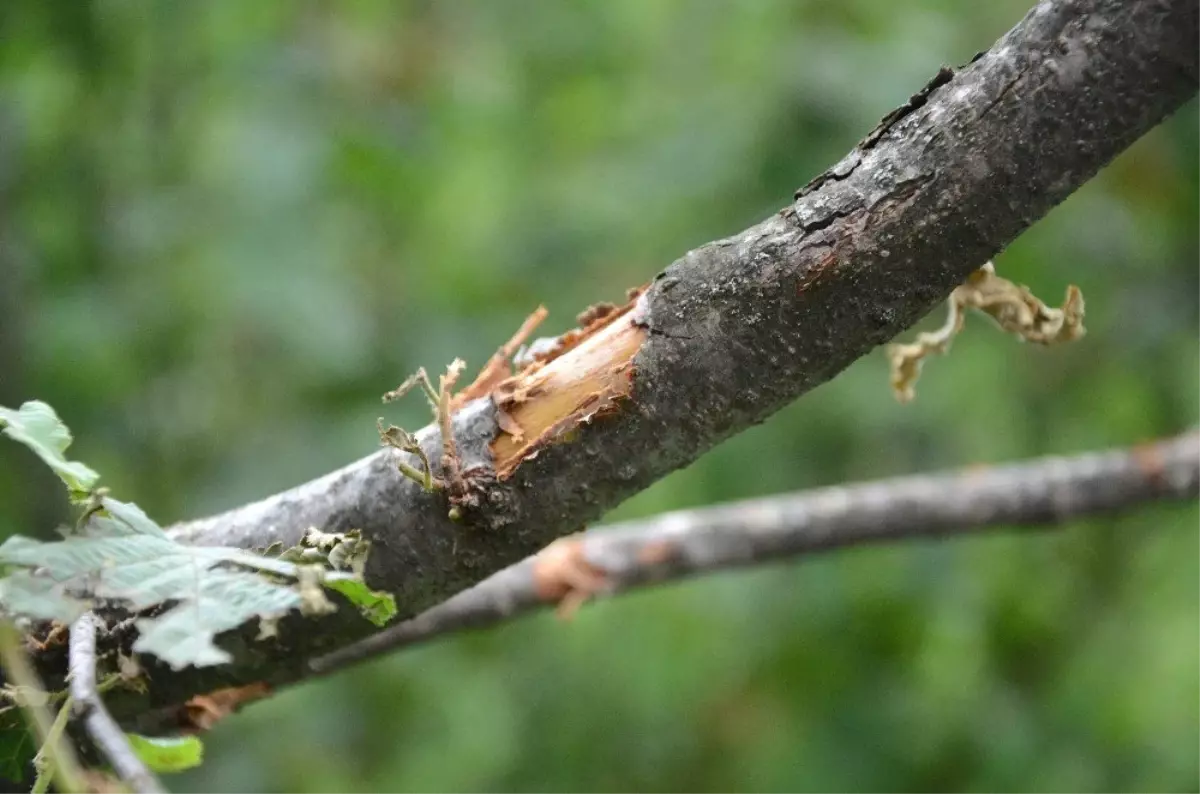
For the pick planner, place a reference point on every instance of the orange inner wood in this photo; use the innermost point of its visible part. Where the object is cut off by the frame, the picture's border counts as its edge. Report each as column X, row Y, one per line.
column 550, row 400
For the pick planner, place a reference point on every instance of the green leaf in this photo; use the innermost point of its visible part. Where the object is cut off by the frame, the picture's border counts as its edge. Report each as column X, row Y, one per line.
column 120, row 555
column 376, row 606
column 167, row 754
column 39, row 597
column 37, row 426
column 123, row 556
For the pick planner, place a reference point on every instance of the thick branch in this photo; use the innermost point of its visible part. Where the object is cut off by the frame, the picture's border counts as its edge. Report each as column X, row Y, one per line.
column 738, row 328
column 610, row 560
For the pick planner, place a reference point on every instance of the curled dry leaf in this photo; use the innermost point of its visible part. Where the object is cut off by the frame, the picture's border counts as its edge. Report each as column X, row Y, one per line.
column 1011, row 306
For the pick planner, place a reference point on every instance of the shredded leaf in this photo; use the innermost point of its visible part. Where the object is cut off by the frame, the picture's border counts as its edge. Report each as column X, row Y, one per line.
column 167, row 754
column 37, row 426
column 344, row 551
column 1011, row 306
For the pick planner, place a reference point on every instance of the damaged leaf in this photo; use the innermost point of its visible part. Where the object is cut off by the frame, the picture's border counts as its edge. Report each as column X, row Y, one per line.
column 344, row 551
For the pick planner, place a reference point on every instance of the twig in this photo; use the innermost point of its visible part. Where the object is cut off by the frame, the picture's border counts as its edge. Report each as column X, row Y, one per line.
column 675, row 545
column 100, row 725
column 68, row 774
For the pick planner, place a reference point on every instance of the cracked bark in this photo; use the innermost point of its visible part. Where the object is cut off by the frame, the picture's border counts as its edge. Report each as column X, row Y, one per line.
column 738, row 328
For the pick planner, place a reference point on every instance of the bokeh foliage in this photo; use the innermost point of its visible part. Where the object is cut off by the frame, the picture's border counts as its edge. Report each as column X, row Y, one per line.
column 226, row 227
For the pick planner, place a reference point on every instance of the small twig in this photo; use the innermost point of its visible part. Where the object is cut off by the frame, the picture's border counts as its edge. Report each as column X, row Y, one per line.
column 498, row 367
column 441, row 400
column 609, row 560
column 68, row 774
column 404, row 441
column 418, row 378
column 450, row 463
column 100, row 725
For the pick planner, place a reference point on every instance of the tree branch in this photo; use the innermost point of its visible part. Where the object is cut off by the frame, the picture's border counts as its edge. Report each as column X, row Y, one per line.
column 101, row 727
column 611, row 560
column 734, row 330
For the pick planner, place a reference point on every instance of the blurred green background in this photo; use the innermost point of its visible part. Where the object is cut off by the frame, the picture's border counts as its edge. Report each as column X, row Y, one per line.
column 227, row 227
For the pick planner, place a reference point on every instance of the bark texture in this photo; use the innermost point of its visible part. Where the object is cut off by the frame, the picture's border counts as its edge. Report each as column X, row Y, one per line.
column 609, row 560
column 736, row 329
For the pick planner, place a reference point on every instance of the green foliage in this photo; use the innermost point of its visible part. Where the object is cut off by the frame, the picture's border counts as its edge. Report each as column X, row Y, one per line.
column 37, row 426
column 121, row 556
column 167, row 753
column 376, row 606
column 17, row 746
column 228, row 225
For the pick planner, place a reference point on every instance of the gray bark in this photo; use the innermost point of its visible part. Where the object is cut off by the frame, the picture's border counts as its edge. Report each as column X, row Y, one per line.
column 1045, row 492
column 740, row 327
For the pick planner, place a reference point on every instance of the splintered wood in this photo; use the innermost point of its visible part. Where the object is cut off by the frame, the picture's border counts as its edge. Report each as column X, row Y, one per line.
column 561, row 382
column 584, row 376
column 497, row 369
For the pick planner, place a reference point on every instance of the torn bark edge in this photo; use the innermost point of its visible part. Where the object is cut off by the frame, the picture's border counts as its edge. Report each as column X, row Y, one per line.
column 563, row 576
column 201, row 712
column 582, row 375
column 496, row 370
column 850, row 162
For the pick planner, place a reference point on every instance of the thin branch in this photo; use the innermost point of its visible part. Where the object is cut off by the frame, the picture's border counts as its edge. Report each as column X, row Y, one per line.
column 610, row 560
column 732, row 331
column 68, row 774
column 101, row 727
